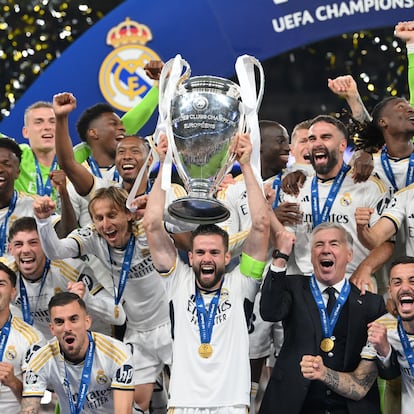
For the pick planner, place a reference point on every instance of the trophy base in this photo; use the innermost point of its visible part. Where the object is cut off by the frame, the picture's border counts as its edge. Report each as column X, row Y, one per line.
column 198, row 210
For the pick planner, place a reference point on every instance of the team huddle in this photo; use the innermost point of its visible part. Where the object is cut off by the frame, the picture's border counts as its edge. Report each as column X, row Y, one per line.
column 115, row 306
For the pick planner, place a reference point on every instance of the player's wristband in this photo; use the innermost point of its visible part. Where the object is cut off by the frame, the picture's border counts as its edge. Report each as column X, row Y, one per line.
column 410, row 48
column 251, row 267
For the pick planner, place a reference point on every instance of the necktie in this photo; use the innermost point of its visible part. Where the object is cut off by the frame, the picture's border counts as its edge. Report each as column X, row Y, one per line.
column 331, row 298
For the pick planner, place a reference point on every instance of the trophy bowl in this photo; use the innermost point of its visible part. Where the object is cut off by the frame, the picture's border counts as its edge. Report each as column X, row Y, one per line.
column 206, row 113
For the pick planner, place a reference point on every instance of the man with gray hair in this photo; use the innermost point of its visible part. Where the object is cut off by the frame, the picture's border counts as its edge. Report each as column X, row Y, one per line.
column 322, row 315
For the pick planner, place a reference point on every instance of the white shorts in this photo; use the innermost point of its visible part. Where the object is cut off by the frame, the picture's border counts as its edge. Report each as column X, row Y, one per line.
column 260, row 333
column 277, row 342
column 237, row 409
column 152, row 350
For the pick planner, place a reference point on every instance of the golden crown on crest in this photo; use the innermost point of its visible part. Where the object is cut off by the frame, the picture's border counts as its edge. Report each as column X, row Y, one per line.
column 128, row 32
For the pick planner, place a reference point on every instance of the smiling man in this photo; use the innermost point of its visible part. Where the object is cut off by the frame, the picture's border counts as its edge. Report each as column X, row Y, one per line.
column 122, row 247
column 13, row 204
column 389, row 347
column 331, row 195
column 39, row 278
column 210, row 370
column 322, row 315
column 89, row 372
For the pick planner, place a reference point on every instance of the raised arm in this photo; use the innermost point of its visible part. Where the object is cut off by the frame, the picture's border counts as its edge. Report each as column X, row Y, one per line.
column 257, row 242
column 373, row 236
column 54, row 248
column 162, row 249
column 82, row 179
column 405, row 31
column 30, row 405
column 68, row 220
column 346, row 87
column 123, row 401
column 362, row 276
column 353, row 385
column 8, row 379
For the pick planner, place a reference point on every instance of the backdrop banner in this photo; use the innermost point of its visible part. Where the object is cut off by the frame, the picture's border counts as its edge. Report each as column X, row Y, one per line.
column 106, row 62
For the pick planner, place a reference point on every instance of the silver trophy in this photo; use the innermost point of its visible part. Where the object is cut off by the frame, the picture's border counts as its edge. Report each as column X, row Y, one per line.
column 204, row 115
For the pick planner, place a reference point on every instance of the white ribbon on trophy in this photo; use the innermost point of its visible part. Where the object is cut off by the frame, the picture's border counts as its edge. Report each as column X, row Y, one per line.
column 252, row 99
column 170, row 77
column 132, row 194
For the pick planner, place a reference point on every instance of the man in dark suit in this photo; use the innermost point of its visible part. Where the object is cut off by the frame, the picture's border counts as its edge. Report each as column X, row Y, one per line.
column 337, row 334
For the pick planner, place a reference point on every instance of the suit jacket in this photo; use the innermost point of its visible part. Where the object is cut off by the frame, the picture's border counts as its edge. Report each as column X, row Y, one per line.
column 289, row 299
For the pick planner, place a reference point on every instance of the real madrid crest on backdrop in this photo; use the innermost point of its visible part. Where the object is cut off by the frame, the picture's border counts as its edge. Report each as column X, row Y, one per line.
column 122, row 78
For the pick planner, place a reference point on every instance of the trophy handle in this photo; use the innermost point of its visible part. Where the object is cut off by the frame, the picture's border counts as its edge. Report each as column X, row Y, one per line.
column 171, row 76
column 226, row 168
column 252, row 99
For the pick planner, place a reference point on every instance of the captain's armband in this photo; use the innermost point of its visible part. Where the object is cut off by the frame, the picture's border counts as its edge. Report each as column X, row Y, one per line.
column 251, row 267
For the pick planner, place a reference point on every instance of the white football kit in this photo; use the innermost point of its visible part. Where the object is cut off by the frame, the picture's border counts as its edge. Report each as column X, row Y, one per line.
column 371, row 193
column 99, row 302
column 22, row 341
column 407, row 380
column 210, row 382
column 112, row 368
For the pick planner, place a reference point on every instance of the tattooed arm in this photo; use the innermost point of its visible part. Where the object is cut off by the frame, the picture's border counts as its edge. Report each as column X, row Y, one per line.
column 353, row 385
column 30, row 405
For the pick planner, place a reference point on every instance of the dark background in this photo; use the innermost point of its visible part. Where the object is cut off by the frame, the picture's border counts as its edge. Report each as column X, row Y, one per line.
column 33, row 34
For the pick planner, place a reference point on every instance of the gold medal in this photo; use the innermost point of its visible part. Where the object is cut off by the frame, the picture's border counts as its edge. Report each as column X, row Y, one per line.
column 116, row 311
column 205, row 350
column 327, row 344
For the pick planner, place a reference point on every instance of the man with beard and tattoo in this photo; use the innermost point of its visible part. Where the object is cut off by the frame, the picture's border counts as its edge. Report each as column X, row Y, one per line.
column 323, row 315
column 389, row 347
column 331, row 195
column 210, row 334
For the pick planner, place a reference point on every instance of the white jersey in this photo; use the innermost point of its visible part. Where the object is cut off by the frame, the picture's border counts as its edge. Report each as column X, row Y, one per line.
column 401, row 212
column 238, row 224
column 407, row 380
column 307, row 169
column 224, row 378
column 399, row 168
column 144, row 299
column 22, row 341
column 234, row 198
column 371, row 193
column 99, row 302
column 80, row 204
column 112, row 369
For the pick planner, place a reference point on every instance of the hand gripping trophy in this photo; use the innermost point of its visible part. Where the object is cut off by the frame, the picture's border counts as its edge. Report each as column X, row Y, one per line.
column 200, row 116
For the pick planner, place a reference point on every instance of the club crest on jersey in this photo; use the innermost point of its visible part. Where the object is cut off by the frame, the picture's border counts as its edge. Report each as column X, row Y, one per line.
column 346, row 199
column 10, row 353
column 101, row 378
column 122, row 78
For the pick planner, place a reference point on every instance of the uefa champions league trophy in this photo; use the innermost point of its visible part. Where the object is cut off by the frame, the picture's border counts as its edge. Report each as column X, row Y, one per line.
column 202, row 116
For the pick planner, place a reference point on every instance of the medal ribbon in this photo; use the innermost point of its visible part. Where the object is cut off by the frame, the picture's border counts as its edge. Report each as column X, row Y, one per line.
column 317, row 217
column 405, row 342
column 126, row 265
column 328, row 322
column 96, row 171
column 3, row 227
column 85, row 380
column 206, row 318
column 25, row 300
column 4, row 335
column 277, row 183
column 389, row 172
column 45, row 189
